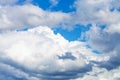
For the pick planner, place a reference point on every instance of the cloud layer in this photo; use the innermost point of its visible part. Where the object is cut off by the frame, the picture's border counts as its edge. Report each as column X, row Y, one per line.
column 40, row 54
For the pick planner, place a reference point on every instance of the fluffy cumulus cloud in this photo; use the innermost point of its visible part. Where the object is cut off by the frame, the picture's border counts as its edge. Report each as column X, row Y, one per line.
column 97, row 11
column 40, row 54
column 17, row 16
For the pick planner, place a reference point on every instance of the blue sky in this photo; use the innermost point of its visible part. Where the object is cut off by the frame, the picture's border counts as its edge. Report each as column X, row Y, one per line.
column 73, row 34
column 63, row 5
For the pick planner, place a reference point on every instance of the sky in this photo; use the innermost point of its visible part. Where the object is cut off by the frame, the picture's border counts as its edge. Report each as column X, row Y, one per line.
column 59, row 39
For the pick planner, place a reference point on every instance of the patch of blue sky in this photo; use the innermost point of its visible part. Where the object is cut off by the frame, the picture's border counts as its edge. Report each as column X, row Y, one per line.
column 88, row 46
column 22, row 29
column 83, row 39
column 112, row 9
column 44, row 4
column 69, row 35
column 96, row 51
column 118, row 9
column 74, row 34
column 20, row 2
column 102, row 26
column 63, row 5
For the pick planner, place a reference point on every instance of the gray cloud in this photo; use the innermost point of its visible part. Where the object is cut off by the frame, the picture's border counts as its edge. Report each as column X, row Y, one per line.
column 96, row 12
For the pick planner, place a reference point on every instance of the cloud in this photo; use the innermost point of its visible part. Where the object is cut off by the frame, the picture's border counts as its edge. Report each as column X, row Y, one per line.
column 114, row 28
column 37, row 52
column 108, row 42
column 7, row 2
column 96, row 12
column 101, row 74
column 15, row 17
column 54, row 2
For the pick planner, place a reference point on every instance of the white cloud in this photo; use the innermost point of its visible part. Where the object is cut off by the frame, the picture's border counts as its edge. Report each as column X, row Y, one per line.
column 87, row 11
column 54, row 2
column 38, row 50
column 13, row 17
column 114, row 28
column 96, row 11
column 101, row 74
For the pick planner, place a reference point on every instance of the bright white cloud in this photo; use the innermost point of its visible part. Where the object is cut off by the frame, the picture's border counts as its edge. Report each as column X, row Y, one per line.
column 13, row 17
column 114, row 28
column 39, row 50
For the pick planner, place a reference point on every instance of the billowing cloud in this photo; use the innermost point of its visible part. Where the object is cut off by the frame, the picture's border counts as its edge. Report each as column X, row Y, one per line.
column 96, row 12
column 14, row 17
column 106, row 42
column 42, row 54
